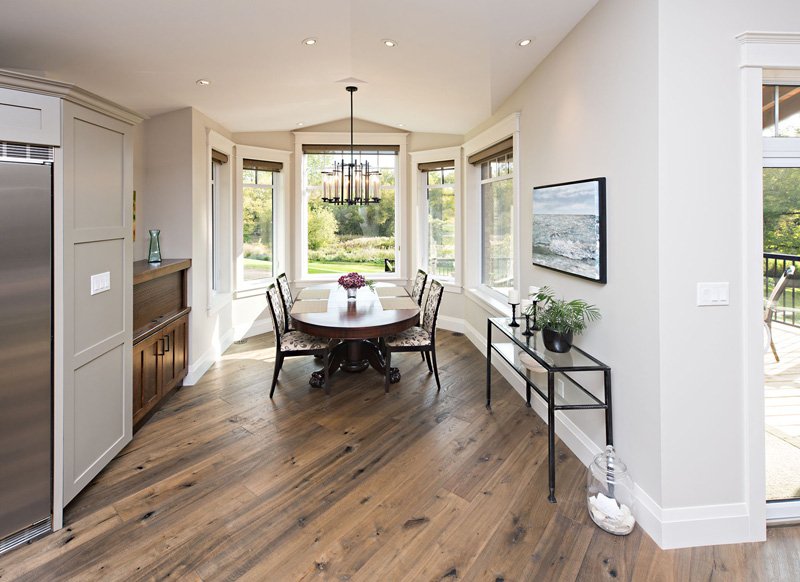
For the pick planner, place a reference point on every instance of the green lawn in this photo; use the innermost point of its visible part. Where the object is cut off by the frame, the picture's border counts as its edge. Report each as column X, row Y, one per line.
column 335, row 267
column 254, row 266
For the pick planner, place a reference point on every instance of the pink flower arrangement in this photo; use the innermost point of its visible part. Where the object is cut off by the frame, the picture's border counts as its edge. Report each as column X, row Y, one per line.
column 354, row 281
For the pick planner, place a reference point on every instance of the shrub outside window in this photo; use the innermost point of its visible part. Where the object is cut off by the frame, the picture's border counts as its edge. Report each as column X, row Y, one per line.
column 497, row 222
column 440, row 185
column 257, row 223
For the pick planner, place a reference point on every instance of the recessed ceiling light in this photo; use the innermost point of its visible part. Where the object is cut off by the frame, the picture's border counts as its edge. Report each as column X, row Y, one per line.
column 401, row 125
column 389, row 42
column 203, row 82
column 525, row 42
column 301, row 124
column 309, row 41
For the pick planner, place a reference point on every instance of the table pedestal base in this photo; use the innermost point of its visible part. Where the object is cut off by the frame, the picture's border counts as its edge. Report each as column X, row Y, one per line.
column 355, row 356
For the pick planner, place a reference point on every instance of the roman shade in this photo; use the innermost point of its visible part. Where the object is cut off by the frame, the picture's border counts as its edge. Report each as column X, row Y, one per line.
column 432, row 166
column 499, row 149
column 219, row 157
column 262, row 165
column 361, row 149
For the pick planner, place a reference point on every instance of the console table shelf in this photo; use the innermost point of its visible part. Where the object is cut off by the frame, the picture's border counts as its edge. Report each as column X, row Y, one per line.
column 562, row 391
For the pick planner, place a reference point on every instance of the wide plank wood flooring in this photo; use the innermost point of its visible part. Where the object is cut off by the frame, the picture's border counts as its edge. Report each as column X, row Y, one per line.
column 225, row 484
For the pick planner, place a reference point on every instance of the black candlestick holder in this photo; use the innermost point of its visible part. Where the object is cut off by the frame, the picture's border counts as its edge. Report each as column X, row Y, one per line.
column 528, row 330
column 513, row 315
column 535, row 327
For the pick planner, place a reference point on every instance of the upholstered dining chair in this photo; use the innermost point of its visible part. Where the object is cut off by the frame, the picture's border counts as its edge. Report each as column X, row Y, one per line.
column 771, row 305
column 418, row 290
column 420, row 338
column 286, row 299
column 292, row 343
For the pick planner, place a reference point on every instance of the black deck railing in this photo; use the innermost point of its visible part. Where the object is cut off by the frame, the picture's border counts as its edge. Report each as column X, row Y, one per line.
column 774, row 266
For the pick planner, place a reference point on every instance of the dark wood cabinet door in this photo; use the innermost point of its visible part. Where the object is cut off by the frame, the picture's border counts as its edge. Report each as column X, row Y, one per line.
column 181, row 347
column 146, row 372
column 168, row 380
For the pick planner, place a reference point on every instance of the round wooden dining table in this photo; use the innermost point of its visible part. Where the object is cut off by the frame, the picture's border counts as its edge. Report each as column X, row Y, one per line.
column 358, row 323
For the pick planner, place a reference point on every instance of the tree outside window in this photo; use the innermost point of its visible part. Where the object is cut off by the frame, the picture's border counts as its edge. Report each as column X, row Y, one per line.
column 343, row 238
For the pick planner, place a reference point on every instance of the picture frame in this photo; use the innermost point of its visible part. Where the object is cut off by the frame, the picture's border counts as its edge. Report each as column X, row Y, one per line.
column 569, row 228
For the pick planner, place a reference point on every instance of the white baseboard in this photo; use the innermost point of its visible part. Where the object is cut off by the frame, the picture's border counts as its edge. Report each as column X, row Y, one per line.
column 201, row 365
column 252, row 329
column 684, row 527
column 450, row 323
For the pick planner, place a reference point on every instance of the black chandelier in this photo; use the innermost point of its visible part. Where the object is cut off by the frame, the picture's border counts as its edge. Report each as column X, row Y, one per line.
column 352, row 183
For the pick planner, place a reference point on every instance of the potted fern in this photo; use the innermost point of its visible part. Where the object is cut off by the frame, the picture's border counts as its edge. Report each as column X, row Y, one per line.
column 560, row 320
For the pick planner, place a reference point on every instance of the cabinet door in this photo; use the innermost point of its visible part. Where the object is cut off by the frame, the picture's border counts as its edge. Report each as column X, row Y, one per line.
column 175, row 356
column 146, row 370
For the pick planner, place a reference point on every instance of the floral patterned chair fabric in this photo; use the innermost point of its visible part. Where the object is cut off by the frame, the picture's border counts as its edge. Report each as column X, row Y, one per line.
column 292, row 343
column 286, row 298
column 418, row 338
column 419, row 286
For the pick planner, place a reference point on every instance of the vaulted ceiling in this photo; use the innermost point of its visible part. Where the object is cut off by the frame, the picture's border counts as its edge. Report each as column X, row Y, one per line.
column 455, row 61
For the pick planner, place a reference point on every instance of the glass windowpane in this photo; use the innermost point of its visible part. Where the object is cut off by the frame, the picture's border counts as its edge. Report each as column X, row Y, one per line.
column 441, row 232
column 257, row 228
column 497, row 213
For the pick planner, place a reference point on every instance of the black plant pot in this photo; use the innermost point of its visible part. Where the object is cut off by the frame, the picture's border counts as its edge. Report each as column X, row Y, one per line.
column 557, row 342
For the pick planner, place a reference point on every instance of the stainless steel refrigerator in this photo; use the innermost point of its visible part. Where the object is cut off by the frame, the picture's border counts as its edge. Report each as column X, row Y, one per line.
column 26, row 386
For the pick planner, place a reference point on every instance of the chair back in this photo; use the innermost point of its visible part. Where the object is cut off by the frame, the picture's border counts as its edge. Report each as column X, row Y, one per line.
column 276, row 309
column 779, row 289
column 419, row 286
column 286, row 295
column 431, row 311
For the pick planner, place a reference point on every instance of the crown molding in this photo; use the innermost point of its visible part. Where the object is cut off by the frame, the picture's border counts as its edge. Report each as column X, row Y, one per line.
column 68, row 92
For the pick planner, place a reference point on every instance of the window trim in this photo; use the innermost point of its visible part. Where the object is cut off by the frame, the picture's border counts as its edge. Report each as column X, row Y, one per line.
column 420, row 206
column 218, row 298
column 279, row 216
column 300, row 238
column 507, row 127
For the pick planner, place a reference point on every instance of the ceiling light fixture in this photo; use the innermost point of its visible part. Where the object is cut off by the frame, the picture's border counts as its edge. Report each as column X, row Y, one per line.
column 401, row 125
column 525, row 42
column 203, row 82
column 389, row 42
column 301, row 124
column 309, row 41
column 351, row 183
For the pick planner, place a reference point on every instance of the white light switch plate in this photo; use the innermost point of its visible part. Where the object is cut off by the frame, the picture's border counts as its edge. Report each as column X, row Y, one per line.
column 713, row 294
column 101, row 282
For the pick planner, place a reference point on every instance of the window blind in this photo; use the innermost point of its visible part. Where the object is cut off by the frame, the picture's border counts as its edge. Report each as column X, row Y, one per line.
column 502, row 148
column 360, row 149
column 432, row 166
column 219, row 157
column 262, row 165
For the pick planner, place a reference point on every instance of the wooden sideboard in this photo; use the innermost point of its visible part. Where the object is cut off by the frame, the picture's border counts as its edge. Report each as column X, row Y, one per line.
column 160, row 334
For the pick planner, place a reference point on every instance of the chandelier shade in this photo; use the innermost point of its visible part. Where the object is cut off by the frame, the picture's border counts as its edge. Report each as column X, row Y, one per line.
column 351, row 183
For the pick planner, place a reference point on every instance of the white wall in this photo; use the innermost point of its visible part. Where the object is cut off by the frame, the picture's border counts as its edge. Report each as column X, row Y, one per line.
column 704, row 399
column 590, row 110
column 622, row 97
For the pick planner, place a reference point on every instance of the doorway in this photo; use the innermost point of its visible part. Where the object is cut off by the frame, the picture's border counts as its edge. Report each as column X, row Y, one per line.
column 781, row 238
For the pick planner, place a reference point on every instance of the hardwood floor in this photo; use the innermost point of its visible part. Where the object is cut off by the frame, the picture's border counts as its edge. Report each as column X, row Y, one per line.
column 225, row 484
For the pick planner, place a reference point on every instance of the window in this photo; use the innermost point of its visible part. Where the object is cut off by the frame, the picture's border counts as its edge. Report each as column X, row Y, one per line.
column 781, row 111
column 496, row 167
column 441, row 202
column 217, row 159
column 258, row 185
column 347, row 238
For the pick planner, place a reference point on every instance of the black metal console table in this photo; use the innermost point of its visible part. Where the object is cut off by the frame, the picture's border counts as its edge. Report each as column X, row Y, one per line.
column 562, row 392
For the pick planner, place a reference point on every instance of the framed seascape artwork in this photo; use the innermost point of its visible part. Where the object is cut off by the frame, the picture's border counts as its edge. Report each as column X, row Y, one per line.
column 569, row 228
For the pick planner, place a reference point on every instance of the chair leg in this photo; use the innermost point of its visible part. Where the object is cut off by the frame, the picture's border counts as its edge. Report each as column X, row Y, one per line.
column 387, row 363
column 435, row 368
column 771, row 342
column 427, row 357
column 325, row 357
column 423, row 355
column 278, row 364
